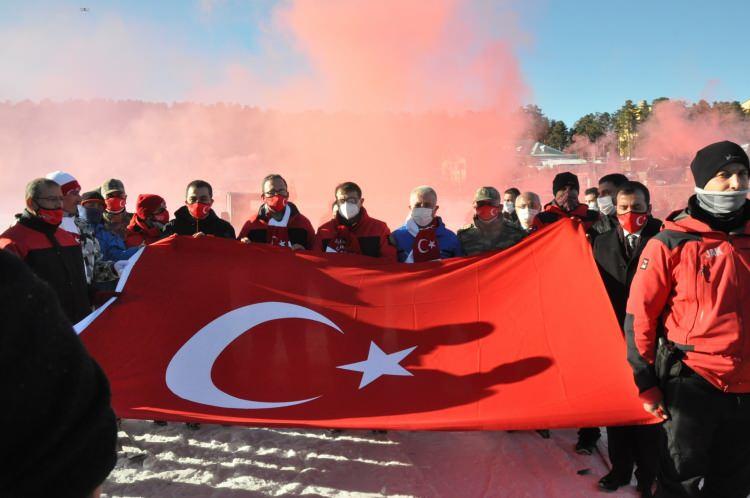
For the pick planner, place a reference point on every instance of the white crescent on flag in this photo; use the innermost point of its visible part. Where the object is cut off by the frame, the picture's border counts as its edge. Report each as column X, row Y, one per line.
column 421, row 249
column 189, row 371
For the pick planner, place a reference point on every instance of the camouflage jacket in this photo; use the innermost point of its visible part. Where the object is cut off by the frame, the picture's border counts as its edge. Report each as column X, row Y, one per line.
column 499, row 235
column 97, row 268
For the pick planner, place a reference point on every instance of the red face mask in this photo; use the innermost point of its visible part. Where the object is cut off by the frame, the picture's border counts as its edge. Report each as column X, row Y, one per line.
column 632, row 222
column 51, row 216
column 277, row 203
column 115, row 204
column 487, row 212
column 198, row 210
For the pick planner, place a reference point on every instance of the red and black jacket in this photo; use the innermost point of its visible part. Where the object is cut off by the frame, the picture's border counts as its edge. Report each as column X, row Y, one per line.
column 56, row 257
column 692, row 287
column 552, row 212
column 371, row 234
column 298, row 229
column 184, row 224
column 138, row 233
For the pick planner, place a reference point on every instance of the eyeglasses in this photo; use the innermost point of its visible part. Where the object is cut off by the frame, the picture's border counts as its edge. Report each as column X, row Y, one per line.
column 350, row 200
column 50, row 199
column 271, row 193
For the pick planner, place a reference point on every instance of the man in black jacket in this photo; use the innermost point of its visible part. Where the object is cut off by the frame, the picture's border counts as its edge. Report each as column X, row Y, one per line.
column 51, row 252
column 196, row 217
column 617, row 253
column 607, row 191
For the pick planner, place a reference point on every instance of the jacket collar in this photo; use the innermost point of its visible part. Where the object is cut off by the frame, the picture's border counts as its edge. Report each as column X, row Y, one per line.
column 290, row 212
column 184, row 215
column 354, row 222
column 32, row 221
column 694, row 219
column 580, row 211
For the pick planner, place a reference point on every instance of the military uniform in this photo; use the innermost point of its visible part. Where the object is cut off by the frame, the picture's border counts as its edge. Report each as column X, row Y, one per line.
column 499, row 234
column 97, row 268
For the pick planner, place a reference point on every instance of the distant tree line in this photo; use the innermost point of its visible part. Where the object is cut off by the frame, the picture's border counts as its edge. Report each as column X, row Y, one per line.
column 624, row 122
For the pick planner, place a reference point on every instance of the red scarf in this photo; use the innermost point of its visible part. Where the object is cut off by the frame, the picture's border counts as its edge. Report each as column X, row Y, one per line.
column 345, row 241
column 425, row 246
column 147, row 230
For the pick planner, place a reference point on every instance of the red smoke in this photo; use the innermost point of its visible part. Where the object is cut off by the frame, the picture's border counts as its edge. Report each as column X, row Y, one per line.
column 673, row 133
column 395, row 83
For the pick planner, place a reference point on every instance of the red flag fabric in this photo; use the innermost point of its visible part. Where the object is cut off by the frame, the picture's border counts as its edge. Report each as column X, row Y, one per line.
column 213, row 330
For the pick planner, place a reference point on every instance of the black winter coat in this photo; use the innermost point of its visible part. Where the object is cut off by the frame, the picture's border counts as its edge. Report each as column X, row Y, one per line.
column 616, row 269
column 184, row 224
column 59, row 431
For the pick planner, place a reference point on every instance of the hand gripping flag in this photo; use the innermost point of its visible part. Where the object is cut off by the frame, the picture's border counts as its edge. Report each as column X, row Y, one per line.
column 213, row 330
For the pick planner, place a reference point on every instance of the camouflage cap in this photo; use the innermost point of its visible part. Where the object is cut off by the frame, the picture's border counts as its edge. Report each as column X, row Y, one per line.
column 487, row 194
column 112, row 185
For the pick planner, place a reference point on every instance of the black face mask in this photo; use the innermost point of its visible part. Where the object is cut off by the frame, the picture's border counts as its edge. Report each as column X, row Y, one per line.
column 92, row 215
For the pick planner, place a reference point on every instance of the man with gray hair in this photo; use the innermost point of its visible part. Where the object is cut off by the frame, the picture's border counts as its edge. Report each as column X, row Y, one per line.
column 528, row 205
column 488, row 231
column 424, row 236
column 52, row 253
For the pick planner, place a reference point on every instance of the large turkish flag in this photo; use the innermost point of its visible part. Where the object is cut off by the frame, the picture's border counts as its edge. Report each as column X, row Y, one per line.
column 213, row 330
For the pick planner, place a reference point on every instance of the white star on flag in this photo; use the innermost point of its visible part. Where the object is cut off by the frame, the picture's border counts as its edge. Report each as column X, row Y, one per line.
column 379, row 363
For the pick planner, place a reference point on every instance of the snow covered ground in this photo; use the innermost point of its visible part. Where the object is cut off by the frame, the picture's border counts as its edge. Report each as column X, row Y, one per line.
column 233, row 462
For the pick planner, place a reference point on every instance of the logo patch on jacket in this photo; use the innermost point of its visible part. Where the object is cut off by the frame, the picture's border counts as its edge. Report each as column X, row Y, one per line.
column 712, row 253
column 644, row 264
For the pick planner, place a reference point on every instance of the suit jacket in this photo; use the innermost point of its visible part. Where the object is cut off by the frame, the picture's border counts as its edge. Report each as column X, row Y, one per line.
column 616, row 268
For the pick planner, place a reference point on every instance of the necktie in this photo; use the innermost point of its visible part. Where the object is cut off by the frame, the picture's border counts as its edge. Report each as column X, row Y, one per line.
column 632, row 241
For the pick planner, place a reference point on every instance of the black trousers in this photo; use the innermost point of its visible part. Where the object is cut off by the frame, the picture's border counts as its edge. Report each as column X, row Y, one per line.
column 706, row 448
column 634, row 445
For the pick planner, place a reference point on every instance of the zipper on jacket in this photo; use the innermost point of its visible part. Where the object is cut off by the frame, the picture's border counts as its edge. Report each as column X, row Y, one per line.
column 737, row 261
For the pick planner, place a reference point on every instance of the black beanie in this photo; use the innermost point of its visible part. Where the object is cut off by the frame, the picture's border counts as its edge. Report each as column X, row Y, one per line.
column 94, row 194
column 59, row 431
column 710, row 159
column 562, row 180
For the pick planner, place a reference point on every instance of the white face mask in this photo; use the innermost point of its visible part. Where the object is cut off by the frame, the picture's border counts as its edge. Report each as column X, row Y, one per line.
column 348, row 210
column 606, row 205
column 526, row 216
column 422, row 216
column 508, row 207
column 593, row 206
column 721, row 202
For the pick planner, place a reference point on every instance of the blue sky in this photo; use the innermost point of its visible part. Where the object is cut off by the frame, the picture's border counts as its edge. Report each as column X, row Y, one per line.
column 580, row 57
column 593, row 55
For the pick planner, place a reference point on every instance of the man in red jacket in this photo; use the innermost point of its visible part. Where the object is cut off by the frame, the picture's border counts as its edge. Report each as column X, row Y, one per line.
column 688, row 331
column 565, row 188
column 352, row 230
column 147, row 224
column 278, row 221
column 51, row 252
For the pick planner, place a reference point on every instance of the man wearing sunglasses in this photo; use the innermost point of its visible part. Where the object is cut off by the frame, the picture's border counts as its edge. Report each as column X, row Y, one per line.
column 52, row 253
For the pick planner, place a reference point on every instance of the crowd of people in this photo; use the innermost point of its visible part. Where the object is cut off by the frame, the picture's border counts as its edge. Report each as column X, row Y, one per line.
column 679, row 288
